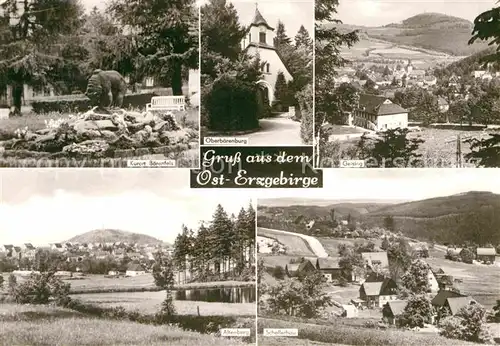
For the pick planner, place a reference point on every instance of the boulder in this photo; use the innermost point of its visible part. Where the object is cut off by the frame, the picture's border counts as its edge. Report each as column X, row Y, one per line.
column 83, row 125
column 45, row 138
column 175, row 137
column 109, row 136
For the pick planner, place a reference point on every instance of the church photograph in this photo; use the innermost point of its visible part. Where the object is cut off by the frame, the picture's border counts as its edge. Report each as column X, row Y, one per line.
column 257, row 72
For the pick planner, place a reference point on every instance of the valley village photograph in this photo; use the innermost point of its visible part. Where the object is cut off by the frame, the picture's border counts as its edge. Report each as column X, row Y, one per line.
column 407, row 84
column 123, row 257
column 257, row 72
column 88, row 83
column 408, row 257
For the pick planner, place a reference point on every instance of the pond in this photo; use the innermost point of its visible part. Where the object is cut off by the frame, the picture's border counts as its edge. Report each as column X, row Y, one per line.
column 219, row 295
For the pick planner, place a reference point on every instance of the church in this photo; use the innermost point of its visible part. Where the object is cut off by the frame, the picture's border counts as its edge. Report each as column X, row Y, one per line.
column 259, row 41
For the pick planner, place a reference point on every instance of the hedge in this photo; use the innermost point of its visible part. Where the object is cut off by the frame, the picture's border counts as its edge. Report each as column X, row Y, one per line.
column 80, row 103
column 231, row 105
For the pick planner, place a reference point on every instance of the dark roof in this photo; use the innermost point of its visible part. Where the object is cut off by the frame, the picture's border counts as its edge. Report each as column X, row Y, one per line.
column 375, row 104
column 442, row 295
column 258, row 19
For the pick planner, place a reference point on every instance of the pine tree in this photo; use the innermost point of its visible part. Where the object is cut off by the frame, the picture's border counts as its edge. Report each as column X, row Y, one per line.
column 302, row 39
column 251, row 233
column 281, row 39
column 281, row 89
column 222, row 230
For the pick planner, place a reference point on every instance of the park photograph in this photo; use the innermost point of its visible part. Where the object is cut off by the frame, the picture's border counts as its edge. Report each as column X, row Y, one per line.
column 123, row 257
column 409, row 257
column 257, row 72
column 401, row 86
column 88, row 83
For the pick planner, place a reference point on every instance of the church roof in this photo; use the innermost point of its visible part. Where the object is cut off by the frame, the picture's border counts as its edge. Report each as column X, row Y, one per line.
column 258, row 19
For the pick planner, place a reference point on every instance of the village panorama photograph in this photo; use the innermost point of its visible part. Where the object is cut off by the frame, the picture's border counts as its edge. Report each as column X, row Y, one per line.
column 124, row 257
column 400, row 257
column 257, row 72
column 92, row 83
column 407, row 83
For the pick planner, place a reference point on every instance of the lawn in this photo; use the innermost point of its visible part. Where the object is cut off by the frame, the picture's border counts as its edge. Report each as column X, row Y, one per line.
column 295, row 246
column 149, row 303
column 42, row 325
column 331, row 244
column 335, row 333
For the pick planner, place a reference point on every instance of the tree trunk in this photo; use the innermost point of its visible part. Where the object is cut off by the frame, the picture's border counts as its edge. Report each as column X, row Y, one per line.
column 176, row 79
column 17, row 98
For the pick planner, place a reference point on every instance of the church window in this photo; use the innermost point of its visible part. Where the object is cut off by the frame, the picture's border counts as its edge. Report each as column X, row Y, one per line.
column 250, row 37
column 267, row 67
column 262, row 37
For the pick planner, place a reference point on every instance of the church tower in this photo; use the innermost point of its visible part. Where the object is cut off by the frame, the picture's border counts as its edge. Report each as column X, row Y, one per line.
column 259, row 41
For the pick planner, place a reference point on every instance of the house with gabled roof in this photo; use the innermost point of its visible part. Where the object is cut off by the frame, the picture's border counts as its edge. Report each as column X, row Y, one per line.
column 330, row 268
column 486, row 254
column 457, row 303
column 376, row 294
column 379, row 113
column 439, row 301
column 297, row 269
column 135, row 269
column 376, row 260
column 392, row 309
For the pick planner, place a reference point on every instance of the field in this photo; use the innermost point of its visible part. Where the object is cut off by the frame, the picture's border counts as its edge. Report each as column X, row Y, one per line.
column 149, row 302
column 331, row 244
column 42, row 325
column 295, row 246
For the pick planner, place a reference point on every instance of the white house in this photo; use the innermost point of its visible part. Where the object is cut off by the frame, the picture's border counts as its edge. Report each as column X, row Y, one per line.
column 135, row 269
column 433, row 283
column 259, row 42
column 378, row 113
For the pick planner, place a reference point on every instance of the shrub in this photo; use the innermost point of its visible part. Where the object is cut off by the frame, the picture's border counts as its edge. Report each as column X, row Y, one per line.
column 231, row 105
column 417, row 312
column 468, row 324
column 40, row 289
column 279, row 272
column 305, row 99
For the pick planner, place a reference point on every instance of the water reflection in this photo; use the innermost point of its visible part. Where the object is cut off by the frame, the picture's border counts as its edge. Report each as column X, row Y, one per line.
column 220, row 295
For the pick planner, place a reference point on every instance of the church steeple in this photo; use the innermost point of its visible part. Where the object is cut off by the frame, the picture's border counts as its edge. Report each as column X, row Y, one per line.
column 259, row 20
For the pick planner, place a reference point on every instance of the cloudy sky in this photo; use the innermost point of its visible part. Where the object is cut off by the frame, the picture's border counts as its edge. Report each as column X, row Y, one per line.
column 382, row 12
column 395, row 184
column 42, row 206
column 292, row 13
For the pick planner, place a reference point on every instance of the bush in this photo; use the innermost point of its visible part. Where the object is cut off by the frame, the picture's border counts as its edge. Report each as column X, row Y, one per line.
column 40, row 289
column 231, row 105
column 305, row 99
column 279, row 272
column 468, row 324
column 81, row 103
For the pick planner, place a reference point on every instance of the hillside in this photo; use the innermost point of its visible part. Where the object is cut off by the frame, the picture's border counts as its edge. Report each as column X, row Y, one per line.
column 112, row 236
column 469, row 64
column 471, row 216
column 433, row 31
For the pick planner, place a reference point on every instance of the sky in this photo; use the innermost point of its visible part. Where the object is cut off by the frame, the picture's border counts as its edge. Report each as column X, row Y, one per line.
column 293, row 14
column 382, row 12
column 395, row 184
column 45, row 206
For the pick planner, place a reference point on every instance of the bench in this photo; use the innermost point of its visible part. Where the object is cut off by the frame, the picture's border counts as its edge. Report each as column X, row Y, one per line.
column 167, row 103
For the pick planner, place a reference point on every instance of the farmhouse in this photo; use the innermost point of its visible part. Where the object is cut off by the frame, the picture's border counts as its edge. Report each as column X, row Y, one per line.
column 440, row 299
column 456, row 303
column 349, row 311
column 329, row 268
column 376, row 260
column 378, row 113
column 135, row 269
column 433, row 282
column 298, row 269
column 376, row 294
column 392, row 309
column 259, row 41
column 486, row 254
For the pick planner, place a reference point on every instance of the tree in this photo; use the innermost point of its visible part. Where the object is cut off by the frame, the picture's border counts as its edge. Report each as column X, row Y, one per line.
column 281, row 90
column 485, row 152
column 163, row 270
column 427, row 109
column 485, row 28
column 182, row 248
column 399, row 256
column 389, row 223
column 328, row 43
column 302, row 39
column 394, row 149
column 29, row 35
column 387, row 71
column 415, row 280
column 467, row 255
column 279, row 272
column 467, row 324
column 281, row 38
column 350, row 263
column 417, row 312
column 166, row 35
column 219, row 42
column 40, row 289
column 385, row 244
column 1, row 281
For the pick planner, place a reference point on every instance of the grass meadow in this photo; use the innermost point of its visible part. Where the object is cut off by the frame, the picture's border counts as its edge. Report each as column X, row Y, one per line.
column 295, row 246
column 42, row 325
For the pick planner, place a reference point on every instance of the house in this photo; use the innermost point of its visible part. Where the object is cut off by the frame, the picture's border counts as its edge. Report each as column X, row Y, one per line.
column 445, row 282
column 329, row 268
column 297, row 269
column 457, row 303
column 57, row 247
column 349, row 311
column 135, row 269
column 113, row 272
column 379, row 113
column 439, row 299
column 443, row 105
column 259, row 41
column 310, row 224
column 433, row 282
column 486, row 254
column 392, row 309
column 376, row 294
column 376, row 260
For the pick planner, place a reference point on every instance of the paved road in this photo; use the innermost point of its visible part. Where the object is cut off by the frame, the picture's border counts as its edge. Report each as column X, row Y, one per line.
column 277, row 131
column 314, row 243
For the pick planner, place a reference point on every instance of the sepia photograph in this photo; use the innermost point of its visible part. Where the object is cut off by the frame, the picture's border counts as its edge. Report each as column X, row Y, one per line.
column 88, row 83
column 124, row 257
column 405, row 83
column 257, row 72
column 399, row 257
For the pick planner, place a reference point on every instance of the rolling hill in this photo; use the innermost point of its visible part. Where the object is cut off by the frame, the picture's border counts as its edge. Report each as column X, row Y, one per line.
column 112, row 236
column 433, row 31
column 472, row 216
